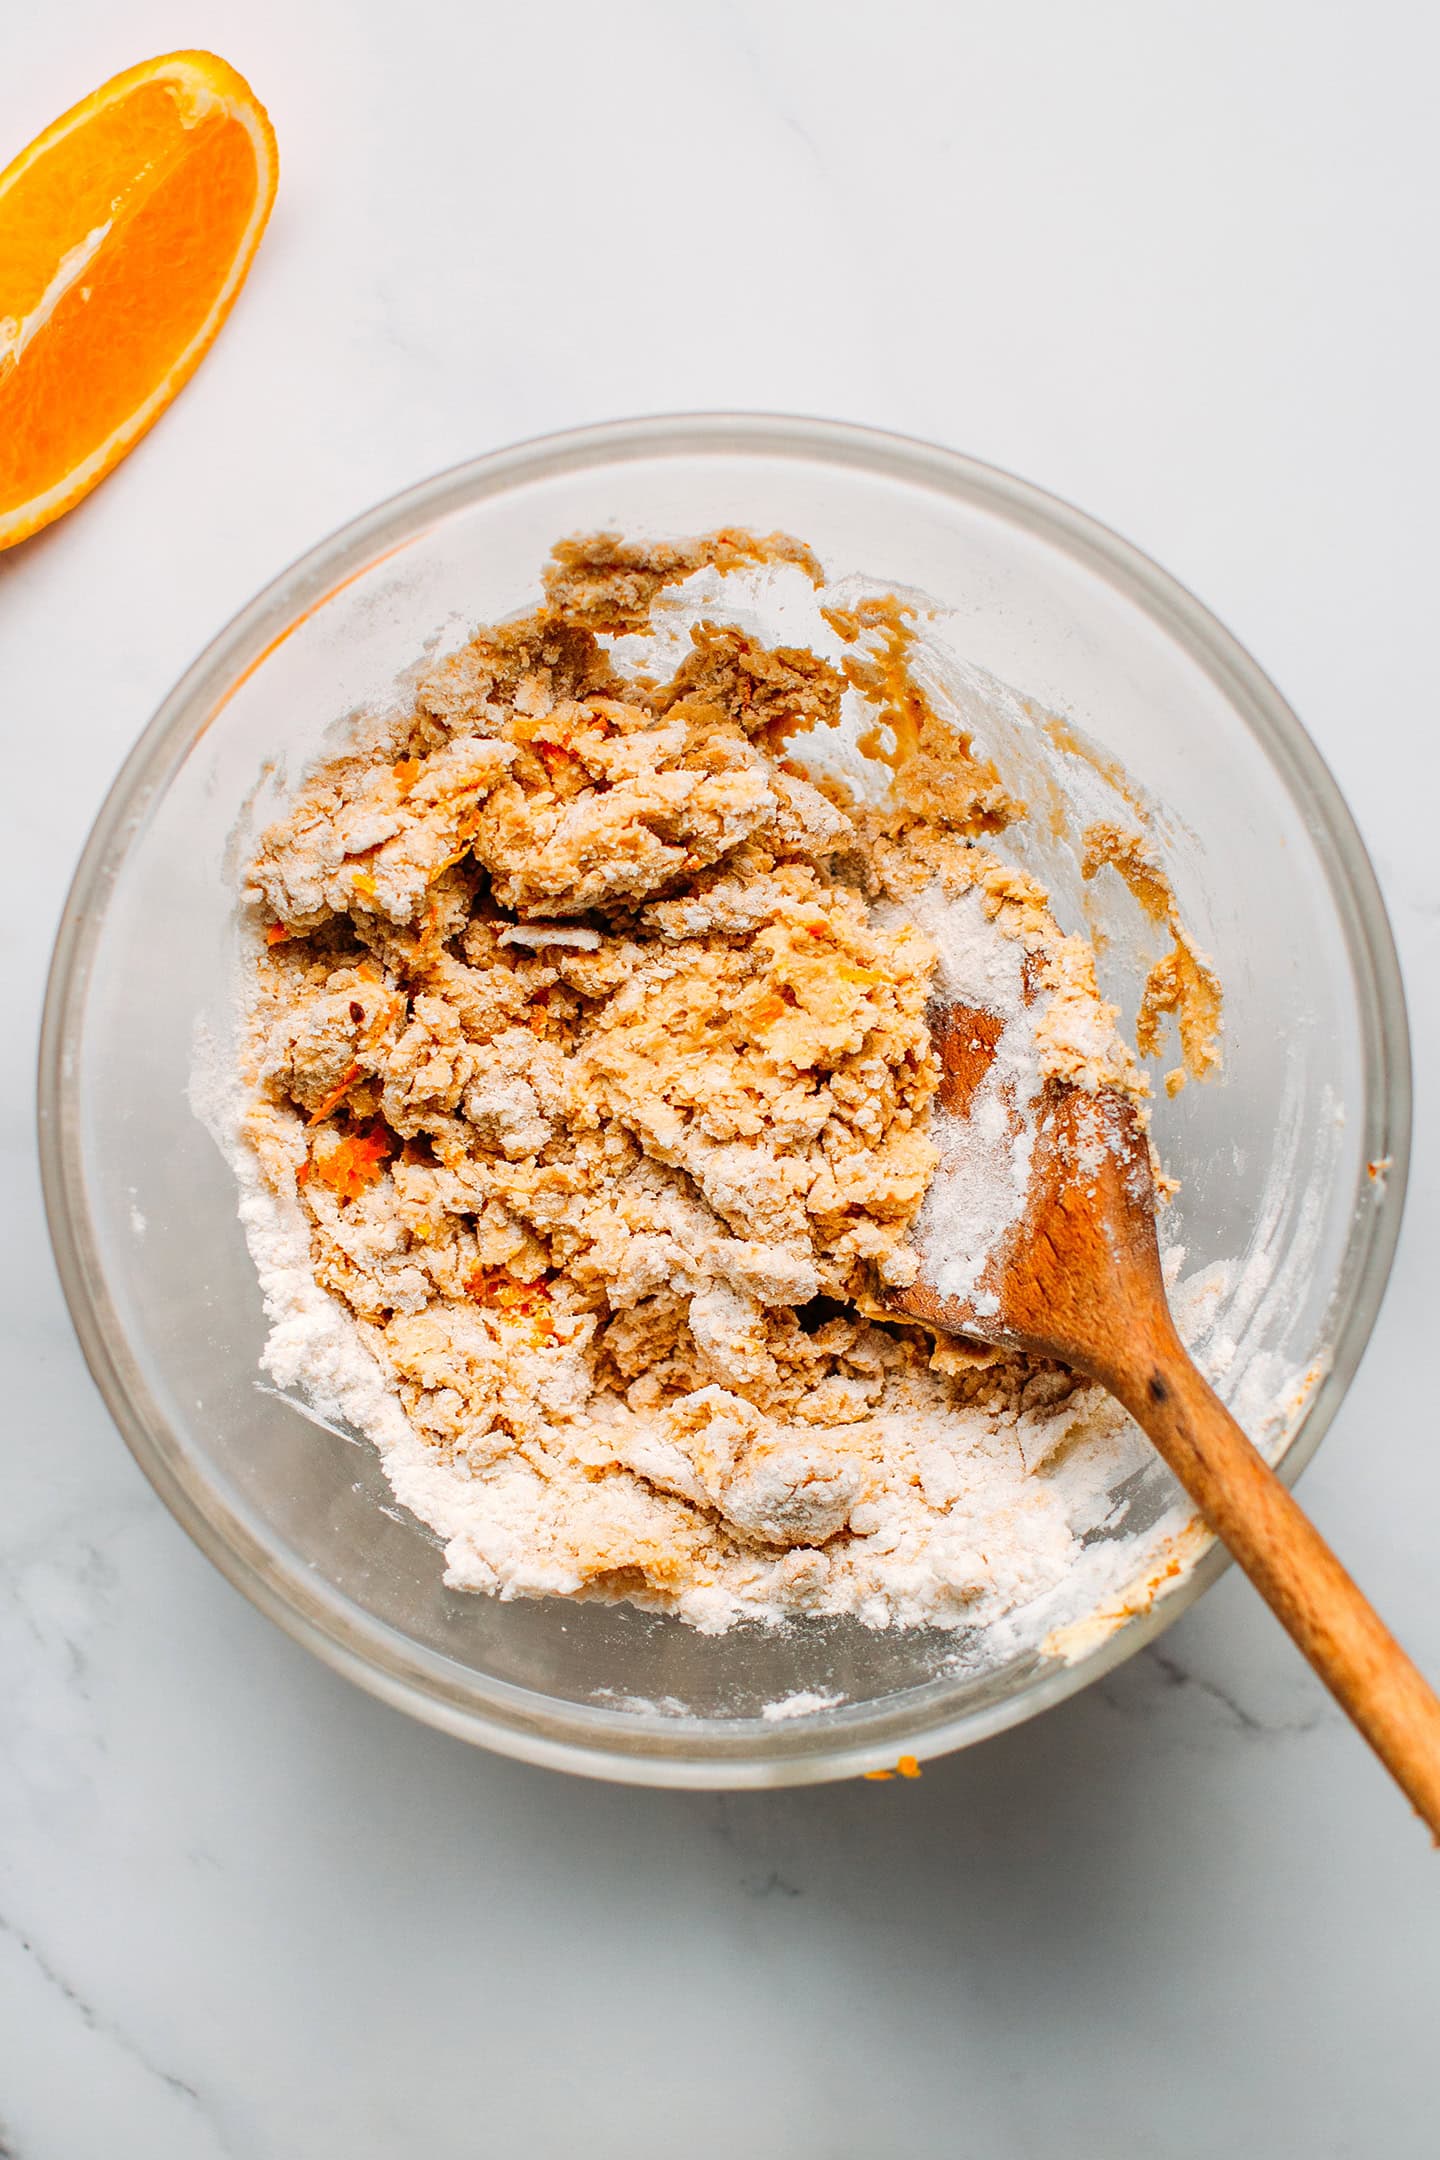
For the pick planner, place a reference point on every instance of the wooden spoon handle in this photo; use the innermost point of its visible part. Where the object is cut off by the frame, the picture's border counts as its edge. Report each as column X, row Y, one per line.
column 1290, row 1564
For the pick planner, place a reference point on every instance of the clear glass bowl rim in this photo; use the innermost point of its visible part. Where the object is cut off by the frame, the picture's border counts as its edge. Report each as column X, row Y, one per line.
column 603, row 1743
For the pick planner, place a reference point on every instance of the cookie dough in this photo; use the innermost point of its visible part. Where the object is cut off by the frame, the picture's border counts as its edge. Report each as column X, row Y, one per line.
column 587, row 1035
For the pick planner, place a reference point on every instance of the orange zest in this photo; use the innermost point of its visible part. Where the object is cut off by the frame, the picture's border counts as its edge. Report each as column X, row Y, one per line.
column 336, row 1096
column 350, row 1162
column 126, row 231
column 497, row 1287
column 500, row 1291
column 906, row 1767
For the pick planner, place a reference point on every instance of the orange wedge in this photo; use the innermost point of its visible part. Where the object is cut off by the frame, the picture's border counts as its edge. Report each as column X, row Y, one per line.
column 126, row 230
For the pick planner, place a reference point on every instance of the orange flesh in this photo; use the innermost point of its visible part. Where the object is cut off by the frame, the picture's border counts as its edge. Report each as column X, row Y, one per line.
column 124, row 235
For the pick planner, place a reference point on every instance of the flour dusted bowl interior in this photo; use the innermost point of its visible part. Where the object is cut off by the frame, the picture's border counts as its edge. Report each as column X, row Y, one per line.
column 1273, row 1158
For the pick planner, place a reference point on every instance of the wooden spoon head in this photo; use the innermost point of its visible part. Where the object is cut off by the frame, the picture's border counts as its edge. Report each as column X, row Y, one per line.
column 1082, row 1252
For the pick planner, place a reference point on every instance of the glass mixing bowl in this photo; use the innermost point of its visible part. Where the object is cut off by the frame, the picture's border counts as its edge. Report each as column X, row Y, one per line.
column 143, row 1207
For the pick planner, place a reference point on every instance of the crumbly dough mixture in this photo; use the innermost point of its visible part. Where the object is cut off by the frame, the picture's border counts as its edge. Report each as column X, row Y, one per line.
column 589, row 1038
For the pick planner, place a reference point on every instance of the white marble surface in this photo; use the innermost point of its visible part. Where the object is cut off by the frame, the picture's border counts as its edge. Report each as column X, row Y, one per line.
column 1173, row 261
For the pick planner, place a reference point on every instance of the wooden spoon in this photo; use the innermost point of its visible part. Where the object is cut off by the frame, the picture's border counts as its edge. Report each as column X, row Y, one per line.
column 1078, row 1280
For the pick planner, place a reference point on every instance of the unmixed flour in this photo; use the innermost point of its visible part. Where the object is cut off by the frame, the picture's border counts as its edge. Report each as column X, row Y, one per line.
column 982, row 1176
column 584, row 1116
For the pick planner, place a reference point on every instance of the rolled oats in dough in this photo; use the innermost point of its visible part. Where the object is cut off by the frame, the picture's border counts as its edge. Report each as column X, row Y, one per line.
column 586, row 1058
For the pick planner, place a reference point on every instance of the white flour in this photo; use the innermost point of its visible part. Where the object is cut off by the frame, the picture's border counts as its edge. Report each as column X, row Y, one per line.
column 978, row 1192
